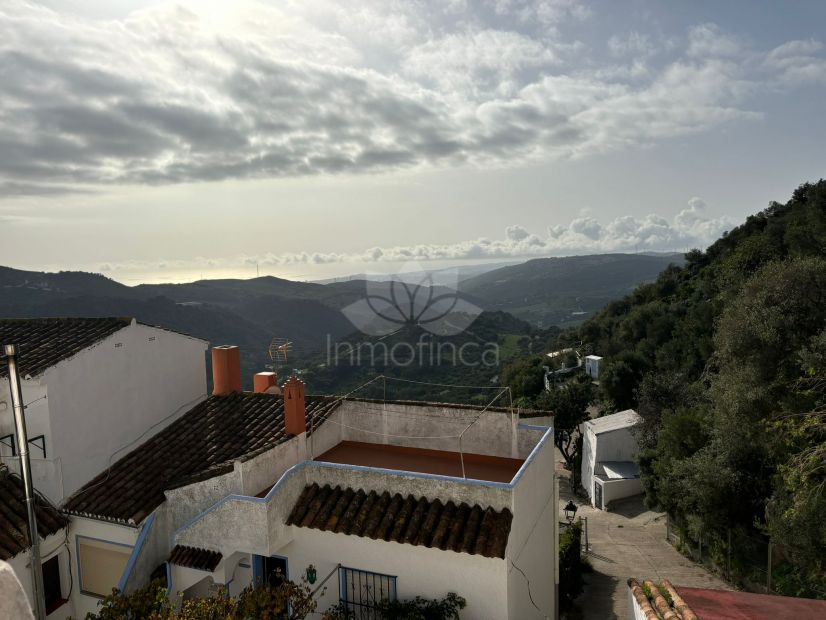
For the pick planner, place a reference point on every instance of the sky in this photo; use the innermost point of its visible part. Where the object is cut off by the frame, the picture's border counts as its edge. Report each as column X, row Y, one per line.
column 158, row 141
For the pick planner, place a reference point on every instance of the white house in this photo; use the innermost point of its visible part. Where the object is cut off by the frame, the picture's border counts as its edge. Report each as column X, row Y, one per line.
column 92, row 389
column 609, row 453
column 592, row 366
column 375, row 495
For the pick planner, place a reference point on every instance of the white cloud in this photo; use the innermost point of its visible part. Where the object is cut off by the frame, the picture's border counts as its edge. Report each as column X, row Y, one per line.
column 690, row 228
column 236, row 90
column 708, row 40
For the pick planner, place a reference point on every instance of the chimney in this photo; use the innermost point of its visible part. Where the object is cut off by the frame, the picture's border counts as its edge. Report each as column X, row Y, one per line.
column 265, row 382
column 295, row 420
column 226, row 370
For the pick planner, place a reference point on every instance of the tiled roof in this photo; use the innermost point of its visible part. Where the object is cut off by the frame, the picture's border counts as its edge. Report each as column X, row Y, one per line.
column 667, row 602
column 201, row 444
column 43, row 343
column 410, row 520
column 195, row 557
column 14, row 520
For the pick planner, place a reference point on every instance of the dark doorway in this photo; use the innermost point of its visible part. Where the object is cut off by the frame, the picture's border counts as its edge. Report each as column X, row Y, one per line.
column 51, row 584
column 275, row 571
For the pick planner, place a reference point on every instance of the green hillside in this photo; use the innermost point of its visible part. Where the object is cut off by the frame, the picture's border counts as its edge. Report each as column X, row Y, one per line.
column 725, row 358
column 566, row 290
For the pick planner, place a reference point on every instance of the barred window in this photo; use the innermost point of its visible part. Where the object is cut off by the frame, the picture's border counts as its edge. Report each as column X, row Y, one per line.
column 362, row 590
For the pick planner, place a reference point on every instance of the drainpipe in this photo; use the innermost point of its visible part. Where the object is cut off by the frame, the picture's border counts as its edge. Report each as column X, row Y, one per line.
column 26, row 472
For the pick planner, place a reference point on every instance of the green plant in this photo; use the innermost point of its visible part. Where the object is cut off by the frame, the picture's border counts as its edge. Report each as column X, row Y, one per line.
column 570, row 565
column 423, row 609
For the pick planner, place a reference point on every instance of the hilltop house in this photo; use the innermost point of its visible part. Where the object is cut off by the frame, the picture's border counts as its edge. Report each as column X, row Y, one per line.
column 382, row 498
column 609, row 452
column 592, row 366
column 91, row 387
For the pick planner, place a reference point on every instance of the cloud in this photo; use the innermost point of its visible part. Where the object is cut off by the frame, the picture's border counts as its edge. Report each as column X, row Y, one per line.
column 690, row 228
column 185, row 93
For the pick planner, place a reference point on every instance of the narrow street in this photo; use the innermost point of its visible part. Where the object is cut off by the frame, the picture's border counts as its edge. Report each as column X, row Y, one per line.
column 627, row 542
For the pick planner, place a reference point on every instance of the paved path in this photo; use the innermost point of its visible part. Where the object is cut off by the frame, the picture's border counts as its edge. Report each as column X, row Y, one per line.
column 627, row 542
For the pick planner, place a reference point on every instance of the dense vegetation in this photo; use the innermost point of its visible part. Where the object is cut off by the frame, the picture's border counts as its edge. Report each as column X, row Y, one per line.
column 725, row 359
column 564, row 291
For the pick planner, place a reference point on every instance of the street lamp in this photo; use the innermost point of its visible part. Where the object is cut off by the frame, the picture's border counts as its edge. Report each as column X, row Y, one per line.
column 570, row 511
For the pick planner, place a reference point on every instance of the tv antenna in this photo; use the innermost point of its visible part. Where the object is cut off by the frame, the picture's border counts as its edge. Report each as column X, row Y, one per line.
column 279, row 352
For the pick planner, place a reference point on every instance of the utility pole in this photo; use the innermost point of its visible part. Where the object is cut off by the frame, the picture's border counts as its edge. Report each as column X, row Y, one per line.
column 26, row 473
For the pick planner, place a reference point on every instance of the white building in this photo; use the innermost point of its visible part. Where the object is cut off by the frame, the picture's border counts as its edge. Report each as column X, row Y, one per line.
column 92, row 389
column 609, row 453
column 370, row 493
column 592, row 366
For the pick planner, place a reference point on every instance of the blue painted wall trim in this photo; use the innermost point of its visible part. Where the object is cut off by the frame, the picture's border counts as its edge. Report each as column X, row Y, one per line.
column 136, row 551
column 549, row 431
column 168, row 567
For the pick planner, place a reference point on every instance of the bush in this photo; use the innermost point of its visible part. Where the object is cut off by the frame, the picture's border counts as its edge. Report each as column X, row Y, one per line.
column 423, row 609
column 570, row 566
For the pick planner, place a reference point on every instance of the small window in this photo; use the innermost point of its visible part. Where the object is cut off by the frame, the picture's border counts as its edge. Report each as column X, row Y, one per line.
column 101, row 565
column 362, row 590
column 52, row 588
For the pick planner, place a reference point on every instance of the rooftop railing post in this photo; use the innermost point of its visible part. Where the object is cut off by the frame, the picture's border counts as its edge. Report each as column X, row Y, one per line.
column 26, row 474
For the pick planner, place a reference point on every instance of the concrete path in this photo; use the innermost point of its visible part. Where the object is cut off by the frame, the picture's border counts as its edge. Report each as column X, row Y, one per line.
column 627, row 542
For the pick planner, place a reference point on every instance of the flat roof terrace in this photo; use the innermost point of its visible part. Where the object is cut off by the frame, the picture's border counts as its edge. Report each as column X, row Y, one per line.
column 422, row 460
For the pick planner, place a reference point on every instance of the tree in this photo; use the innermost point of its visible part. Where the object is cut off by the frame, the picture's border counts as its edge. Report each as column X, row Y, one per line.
column 569, row 404
column 620, row 378
column 526, row 377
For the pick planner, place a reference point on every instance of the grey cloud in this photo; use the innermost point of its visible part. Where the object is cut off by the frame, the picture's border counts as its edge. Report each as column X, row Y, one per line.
column 166, row 97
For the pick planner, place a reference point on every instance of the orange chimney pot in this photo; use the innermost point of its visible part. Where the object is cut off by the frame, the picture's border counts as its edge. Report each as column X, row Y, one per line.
column 226, row 370
column 295, row 416
column 263, row 381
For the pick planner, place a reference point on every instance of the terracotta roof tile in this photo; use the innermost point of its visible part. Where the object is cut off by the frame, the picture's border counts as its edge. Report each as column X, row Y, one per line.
column 409, row 520
column 14, row 519
column 195, row 557
column 45, row 342
column 201, row 444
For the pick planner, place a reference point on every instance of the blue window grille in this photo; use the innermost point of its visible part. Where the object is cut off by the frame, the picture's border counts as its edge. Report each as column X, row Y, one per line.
column 361, row 591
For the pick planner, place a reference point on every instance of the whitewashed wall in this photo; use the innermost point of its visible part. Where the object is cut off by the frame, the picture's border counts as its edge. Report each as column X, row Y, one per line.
column 613, row 490
column 589, row 445
column 108, row 396
column 420, row 571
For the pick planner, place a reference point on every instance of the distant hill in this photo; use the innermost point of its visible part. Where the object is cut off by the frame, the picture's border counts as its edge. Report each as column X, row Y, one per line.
column 567, row 290
column 251, row 312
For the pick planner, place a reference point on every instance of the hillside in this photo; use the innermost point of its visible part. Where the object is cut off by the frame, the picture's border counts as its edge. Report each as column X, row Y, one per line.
column 725, row 358
column 564, row 291
column 251, row 312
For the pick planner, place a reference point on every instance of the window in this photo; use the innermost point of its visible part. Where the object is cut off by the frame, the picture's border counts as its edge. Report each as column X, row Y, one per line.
column 362, row 590
column 101, row 565
column 52, row 589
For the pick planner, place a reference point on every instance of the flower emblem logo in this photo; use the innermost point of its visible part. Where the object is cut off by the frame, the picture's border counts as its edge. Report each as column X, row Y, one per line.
column 413, row 297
